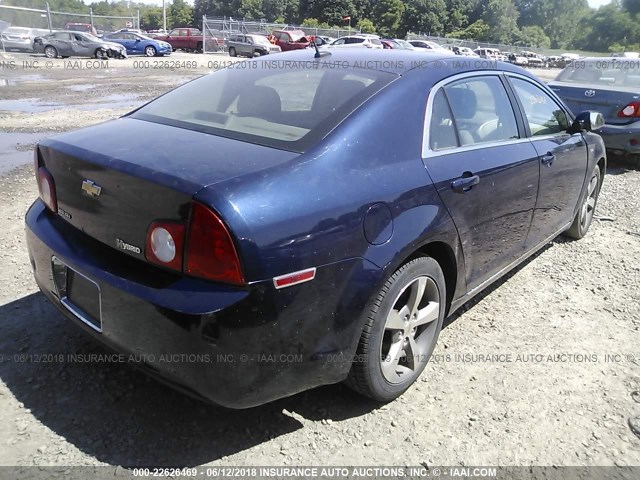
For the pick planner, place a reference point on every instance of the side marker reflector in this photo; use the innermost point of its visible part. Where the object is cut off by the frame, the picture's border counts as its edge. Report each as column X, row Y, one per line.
column 294, row 278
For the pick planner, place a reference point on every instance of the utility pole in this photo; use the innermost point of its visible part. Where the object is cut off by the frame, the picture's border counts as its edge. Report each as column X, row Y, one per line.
column 164, row 17
column 49, row 18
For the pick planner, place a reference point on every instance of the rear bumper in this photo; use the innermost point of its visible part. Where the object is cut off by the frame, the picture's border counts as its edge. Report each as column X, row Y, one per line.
column 17, row 45
column 237, row 347
column 618, row 138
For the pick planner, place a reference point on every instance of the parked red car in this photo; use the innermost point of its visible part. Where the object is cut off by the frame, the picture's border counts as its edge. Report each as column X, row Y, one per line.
column 81, row 27
column 290, row 39
column 191, row 39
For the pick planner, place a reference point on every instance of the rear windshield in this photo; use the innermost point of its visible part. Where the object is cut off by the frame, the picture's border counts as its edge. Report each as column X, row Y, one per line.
column 284, row 104
column 612, row 72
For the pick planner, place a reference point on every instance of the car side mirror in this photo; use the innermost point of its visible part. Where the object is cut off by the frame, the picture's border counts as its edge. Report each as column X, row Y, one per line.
column 587, row 121
column 137, row 40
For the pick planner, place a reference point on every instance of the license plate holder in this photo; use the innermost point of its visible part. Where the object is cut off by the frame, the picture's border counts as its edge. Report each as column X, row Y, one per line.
column 78, row 294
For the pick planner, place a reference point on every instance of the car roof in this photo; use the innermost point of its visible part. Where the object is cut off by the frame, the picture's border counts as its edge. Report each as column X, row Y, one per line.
column 610, row 58
column 359, row 35
column 75, row 32
column 400, row 62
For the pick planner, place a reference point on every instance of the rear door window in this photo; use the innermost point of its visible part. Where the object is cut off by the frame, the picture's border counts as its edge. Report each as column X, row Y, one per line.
column 442, row 132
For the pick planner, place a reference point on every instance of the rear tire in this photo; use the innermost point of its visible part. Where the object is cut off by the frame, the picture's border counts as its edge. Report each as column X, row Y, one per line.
column 232, row 52
column 401, row 328
column 50, row 52
column 199, row 47
column 588, row 203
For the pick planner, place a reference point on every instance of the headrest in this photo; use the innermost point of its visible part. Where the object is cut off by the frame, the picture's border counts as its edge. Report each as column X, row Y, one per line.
column 463, row 103
column 259, row 101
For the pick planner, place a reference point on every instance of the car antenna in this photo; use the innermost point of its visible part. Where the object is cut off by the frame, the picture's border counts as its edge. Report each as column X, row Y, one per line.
column 318, row 52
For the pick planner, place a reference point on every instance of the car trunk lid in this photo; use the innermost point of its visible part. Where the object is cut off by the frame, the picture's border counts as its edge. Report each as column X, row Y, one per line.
column 114, row 179
column 609, row 100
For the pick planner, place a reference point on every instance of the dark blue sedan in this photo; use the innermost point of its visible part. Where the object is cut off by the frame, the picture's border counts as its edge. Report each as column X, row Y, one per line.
column 307, row 220
column 137, row 44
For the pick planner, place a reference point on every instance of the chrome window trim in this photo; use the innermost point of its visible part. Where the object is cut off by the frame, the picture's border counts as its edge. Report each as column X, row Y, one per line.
column 426, row 149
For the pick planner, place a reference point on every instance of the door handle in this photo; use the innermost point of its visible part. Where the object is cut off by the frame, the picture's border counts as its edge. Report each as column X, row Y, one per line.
column 465, row 183
column 548, row 159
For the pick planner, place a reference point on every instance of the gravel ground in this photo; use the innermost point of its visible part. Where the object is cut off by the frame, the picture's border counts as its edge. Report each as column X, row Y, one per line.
column 541, row 369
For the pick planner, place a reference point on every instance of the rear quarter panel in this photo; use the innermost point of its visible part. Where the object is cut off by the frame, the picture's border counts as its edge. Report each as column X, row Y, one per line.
column 310, row 211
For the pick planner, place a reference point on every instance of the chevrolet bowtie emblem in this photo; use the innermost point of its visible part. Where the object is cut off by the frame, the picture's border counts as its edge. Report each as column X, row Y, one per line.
column 90, row 188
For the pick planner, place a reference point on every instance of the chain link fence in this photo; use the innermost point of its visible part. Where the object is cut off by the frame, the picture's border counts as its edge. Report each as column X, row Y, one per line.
column 52, row 20
column 224, row 27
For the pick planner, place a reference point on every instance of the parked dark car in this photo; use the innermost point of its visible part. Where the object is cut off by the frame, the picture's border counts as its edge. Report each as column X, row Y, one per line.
column 138, row 44
column 610, row 86
column 250, row 45
column 320, row 226
column 76, row 44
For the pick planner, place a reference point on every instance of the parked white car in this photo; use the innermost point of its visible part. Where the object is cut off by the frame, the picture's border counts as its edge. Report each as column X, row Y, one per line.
column 431, row 46
column 357, row 41
column 490, row 54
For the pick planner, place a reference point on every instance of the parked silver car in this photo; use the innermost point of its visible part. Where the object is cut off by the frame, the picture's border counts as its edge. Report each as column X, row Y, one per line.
column 20, row 38
column 609, row 86
column 77, row 44
column 251, row 45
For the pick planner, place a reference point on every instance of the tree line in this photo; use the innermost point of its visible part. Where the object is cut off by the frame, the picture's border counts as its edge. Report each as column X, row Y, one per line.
column 558, row 24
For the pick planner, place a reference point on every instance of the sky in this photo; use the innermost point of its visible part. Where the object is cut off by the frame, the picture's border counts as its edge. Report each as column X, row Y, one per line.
column 598, row 3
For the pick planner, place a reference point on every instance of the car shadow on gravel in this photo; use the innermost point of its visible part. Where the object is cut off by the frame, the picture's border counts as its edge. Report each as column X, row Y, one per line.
column 120, row 416
column 498, row 283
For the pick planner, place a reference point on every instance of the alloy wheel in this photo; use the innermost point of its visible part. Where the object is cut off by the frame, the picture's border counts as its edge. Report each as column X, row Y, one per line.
column 589, row 205
column 409, row 330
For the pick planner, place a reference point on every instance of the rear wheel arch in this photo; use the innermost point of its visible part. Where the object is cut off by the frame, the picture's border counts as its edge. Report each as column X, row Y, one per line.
column 602, row 165
column 442, row 253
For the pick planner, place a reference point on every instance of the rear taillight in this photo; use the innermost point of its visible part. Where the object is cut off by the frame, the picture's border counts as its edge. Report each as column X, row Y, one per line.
column 47, row 189
column 631, row 110
column 210, row 251
column 164, row 245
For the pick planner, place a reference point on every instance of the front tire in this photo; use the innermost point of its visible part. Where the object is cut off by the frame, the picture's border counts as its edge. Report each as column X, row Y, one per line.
column 588, row 203
column 100, row 54
column 50, row 52
column 150, row 51
column 400, row 331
